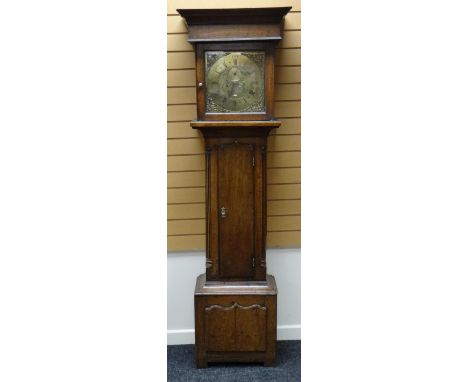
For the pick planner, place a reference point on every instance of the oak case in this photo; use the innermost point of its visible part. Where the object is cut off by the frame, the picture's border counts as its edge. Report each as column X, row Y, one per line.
column 235, row 300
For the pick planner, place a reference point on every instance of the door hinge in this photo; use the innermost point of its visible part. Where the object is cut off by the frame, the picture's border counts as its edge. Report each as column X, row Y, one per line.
column 253, row 262
column 253, row 161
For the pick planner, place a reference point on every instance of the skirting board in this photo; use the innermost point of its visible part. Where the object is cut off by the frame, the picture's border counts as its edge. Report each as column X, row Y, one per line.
column 187, row 336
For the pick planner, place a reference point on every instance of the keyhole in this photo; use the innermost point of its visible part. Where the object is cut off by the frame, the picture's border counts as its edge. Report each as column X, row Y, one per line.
column 223, row 212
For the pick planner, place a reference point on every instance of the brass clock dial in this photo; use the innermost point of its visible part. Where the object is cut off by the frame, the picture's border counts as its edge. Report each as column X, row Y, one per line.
column 235, row 82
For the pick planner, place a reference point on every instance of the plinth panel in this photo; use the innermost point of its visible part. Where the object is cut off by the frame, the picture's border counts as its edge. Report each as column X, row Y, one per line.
column 235, row 322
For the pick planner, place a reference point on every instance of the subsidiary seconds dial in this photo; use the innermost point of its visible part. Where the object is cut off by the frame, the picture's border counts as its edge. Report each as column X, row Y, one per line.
column 234, row 82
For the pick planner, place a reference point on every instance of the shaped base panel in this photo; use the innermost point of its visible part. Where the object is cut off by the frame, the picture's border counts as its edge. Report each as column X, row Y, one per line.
column 235, row 321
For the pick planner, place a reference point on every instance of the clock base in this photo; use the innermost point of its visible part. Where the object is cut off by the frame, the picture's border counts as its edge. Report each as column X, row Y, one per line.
column 235, row 322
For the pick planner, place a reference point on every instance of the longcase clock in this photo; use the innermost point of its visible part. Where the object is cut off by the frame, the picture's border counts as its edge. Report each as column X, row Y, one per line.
column 235, row 300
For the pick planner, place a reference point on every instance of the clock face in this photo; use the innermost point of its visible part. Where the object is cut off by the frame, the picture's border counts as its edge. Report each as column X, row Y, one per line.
column 235, row 82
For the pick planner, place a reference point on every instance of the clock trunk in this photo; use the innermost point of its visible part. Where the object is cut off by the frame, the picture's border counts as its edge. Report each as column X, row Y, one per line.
column 236, row 201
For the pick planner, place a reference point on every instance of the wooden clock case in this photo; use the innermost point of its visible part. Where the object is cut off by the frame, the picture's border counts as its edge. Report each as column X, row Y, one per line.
column 235, row 300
